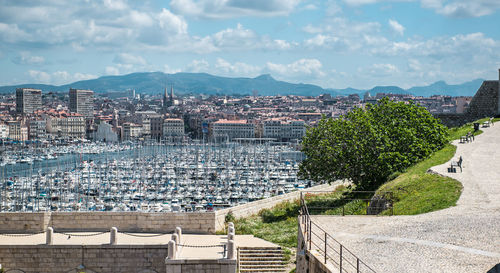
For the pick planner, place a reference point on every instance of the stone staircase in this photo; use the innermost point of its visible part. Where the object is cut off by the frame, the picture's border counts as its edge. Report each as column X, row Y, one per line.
column 261, row 259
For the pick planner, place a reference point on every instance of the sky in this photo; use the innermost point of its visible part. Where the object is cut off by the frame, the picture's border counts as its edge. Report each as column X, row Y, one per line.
column 331, row 43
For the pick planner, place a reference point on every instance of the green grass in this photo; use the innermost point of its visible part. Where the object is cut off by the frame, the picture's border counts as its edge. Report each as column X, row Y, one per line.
column 416, row 191
column 283, row 232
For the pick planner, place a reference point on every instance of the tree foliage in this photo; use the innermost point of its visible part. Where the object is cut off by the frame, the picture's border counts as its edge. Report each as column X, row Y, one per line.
column 367, row 145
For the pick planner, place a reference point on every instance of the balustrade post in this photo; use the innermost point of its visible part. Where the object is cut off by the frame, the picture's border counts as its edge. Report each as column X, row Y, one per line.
column 178, row 231
column 231, row 249
column 49, row 235
column 172, row 253
column 113, row 234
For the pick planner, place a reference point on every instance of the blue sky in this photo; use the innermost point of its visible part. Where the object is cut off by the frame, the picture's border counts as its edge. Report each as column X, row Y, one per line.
column 332, row 43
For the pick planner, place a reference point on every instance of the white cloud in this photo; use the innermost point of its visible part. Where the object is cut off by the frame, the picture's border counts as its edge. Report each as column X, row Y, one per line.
column 12, row 33
column 224, row 68
column 241, row 38
column 380, row 70
column 299, row 68
column 462, row 8
column 340, row 34
column 396, row 27
column 125, row 58
column 58, row 77
column 236, row 69
column 39, row 76
column 233, row 8
column 169, row 70
column 310, row 7
column 360, row 2
column 111, row 70
column 171, row 22
column 115, row 4
column 197, row 66
column 26, row 58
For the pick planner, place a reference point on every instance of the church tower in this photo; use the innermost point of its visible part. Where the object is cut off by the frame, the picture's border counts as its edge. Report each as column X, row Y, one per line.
column 172, row 95
column 165, row 96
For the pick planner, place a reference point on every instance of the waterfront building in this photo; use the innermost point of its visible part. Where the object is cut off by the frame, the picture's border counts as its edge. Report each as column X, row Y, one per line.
column 224, row 129
column 17, row 130
column 173, row 127
column 283, row 129
column 37, row 128
column 131, row 131
column 28, row 100
column 81, row 102
column 66, row 125
column 4, row 130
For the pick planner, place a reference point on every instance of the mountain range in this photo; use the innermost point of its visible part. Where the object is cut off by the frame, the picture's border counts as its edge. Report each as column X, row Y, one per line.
column 203, row 83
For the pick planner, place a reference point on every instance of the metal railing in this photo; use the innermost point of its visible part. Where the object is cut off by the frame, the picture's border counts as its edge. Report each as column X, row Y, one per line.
column 329, row 249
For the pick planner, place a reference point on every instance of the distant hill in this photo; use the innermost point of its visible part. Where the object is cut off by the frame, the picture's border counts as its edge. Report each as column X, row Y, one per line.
column 202, row 83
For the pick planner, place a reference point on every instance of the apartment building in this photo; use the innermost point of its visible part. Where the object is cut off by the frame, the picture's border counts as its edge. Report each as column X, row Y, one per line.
column 81, row 102
column 173, row 127
column 226, row 130
column 28, row 100
column 283, row 129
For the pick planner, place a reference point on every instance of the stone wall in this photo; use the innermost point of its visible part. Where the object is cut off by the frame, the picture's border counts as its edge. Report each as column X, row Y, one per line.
column 195, row 222
column 99, row 258
column 256, row 206
column 201, row 266
column 203, row 222
column 485, row 103
column 12, row 222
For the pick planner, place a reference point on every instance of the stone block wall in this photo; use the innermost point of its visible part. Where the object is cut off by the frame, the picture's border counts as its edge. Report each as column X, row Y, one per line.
column 202, row 222
column 67, row 258
column 485, row 103
column 200, row 266
column 256, row 206
column 12, row 222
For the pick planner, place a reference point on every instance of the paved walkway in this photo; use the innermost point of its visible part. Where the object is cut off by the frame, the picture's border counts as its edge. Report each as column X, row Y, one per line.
column 464, row 238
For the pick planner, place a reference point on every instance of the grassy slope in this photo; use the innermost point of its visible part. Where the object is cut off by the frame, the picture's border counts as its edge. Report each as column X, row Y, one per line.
column 417, row 191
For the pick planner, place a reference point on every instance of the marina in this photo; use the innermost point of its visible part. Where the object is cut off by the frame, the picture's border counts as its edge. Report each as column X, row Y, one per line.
column 147, row 177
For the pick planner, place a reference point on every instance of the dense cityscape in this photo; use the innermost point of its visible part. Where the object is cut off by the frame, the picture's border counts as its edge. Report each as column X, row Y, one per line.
column 36, row 115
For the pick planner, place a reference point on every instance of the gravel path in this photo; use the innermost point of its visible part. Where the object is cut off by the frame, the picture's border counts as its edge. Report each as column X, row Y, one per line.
column 464, row 238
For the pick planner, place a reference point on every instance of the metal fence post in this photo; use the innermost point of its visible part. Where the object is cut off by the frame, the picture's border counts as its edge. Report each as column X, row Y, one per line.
column 340, row 262
column 357, row 265
column 310, row 233
column 325, row 247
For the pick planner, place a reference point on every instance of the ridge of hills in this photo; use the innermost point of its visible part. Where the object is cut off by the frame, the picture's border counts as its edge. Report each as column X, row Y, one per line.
column 203, row 83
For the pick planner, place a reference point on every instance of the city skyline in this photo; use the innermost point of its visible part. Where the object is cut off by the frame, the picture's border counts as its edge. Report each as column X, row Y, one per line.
column 334, row 44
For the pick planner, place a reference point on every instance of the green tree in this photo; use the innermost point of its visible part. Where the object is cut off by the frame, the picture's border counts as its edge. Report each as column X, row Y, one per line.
column 367, row 145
